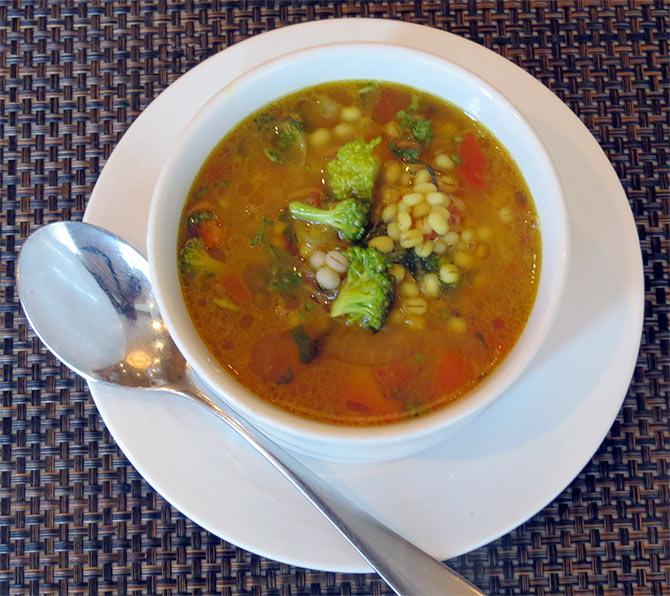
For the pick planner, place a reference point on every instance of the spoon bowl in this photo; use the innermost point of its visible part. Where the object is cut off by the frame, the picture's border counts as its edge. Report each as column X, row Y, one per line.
column 87, row 294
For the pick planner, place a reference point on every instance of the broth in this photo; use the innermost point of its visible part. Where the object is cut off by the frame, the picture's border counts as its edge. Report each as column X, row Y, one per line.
column 448, row 210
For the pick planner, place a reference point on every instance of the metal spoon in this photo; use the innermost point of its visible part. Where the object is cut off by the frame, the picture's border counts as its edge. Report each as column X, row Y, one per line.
column 87, row 294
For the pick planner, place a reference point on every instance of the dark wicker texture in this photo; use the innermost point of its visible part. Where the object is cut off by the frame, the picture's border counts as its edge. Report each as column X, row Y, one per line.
column 76, row 517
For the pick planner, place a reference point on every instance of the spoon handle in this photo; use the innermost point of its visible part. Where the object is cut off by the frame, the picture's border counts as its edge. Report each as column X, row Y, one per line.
column 404, row 567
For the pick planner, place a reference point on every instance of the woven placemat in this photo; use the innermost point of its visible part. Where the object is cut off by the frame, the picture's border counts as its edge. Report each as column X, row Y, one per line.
column 75, row 517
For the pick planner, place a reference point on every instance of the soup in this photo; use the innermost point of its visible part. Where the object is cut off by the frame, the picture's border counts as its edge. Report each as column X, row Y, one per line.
column 359, row 253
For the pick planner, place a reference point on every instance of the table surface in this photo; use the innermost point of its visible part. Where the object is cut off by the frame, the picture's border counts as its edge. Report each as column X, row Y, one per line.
column 75, row 517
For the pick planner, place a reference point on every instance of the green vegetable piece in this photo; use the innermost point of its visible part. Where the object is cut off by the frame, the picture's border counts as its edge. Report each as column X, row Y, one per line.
column 287, row 143
column 367, row 292
column 417, row 266
column 194, row 259
column 259, row 237
column 417, row 128
column 226, row 304
column 283, row 278
column 199, row 217
column 415, row 407
column 354, row 170
column 307, row 347
column 348, row 217
column 409, row 154
column 368, row 88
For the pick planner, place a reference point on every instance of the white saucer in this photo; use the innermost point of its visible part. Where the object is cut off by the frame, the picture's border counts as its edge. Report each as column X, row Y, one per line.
column 504, row 467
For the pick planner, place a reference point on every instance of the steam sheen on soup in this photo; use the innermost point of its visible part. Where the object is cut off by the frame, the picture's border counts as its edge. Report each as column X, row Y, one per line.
column 359, row 253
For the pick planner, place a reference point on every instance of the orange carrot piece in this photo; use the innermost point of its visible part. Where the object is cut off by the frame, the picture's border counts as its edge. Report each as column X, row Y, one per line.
column 452, row 373
column 361, row 387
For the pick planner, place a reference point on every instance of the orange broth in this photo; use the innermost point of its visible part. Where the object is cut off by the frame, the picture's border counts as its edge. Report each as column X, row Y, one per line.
column 260, row 309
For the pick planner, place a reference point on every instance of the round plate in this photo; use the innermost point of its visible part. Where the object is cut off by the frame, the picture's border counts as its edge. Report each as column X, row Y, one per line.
column 499, row 471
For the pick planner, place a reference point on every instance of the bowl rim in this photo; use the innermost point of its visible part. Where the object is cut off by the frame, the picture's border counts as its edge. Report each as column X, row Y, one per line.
column 274, row 419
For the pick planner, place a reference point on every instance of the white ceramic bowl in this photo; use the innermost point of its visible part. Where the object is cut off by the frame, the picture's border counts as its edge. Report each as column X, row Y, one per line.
column 350, row 61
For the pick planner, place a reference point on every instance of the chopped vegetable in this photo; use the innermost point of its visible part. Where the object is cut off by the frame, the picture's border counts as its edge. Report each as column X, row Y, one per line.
column 473, row 162
column 367, row 292
column 415, row 130
column 307, row 348
column 452, row 373
column 367, row 88
column 283, row 277
column 407, row 152
column 287, row 143
column 194, row 259
column 212, row 233
column 276, row 359
column 362, row 391
column 237, row 289
column 415, row 407
column 348, row 217
column 415, row 127
column 225, row 304
column 388, row 103
column 199, row 217
column 259, row 237
column 417, row 266
column 354, row 170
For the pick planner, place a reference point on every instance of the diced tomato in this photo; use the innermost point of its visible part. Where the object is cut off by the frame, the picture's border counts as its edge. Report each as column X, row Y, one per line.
column 212, row 233
column 452, row 373
column 389, row 103
column 473, row 162
column 237, row 290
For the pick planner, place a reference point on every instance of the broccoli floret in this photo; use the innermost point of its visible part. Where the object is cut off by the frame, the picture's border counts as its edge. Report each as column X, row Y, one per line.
column 348, row 217
column 366, row 294
column 194, row 258
column 354, row 170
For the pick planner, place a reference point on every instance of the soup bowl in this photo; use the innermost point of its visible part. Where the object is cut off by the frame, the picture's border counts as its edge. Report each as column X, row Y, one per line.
column 338, row 62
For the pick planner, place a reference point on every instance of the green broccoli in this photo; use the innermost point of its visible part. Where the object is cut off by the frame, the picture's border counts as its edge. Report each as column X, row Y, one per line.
column 354, row 170
column 366, row 294
column 348, row 217
column 194, row 258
